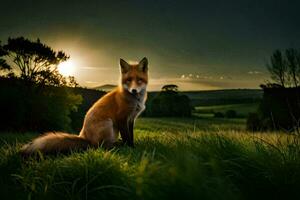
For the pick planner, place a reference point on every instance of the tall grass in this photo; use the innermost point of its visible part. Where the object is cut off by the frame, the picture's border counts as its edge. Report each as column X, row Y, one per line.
column 172, row 159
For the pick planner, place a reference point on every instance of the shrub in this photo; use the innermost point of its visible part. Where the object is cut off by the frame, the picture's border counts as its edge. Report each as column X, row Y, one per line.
column 280, row 108
column 254, row 122
column 230, row 114
column 218, row 115
column 30, row 107
column 89, row 97
column 168, row 104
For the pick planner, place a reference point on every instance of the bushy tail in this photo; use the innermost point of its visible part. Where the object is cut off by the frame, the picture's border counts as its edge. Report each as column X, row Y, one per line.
column 55, row 142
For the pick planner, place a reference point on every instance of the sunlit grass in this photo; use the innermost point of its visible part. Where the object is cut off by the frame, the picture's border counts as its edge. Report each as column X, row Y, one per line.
column 172, row 159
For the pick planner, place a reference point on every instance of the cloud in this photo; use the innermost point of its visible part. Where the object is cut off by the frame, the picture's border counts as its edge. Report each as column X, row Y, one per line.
column 254, row 72
column 203, row 77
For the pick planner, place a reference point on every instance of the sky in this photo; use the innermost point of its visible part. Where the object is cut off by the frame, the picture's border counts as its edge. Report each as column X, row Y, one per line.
column 198, row 45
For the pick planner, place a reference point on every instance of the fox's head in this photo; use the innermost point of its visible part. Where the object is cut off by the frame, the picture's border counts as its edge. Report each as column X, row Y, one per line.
column 134, row 76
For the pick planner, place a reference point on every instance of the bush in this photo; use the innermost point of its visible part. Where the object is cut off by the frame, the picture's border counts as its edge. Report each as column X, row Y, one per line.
column 253, row 122
column 30, row 107
column 89, row 97
column 218, row 115
column 230, row 114
column 280, row 108
column 168, row 104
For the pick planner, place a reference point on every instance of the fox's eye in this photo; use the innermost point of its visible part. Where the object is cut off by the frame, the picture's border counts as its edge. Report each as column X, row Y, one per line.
column 140, row 80
column 128, row 80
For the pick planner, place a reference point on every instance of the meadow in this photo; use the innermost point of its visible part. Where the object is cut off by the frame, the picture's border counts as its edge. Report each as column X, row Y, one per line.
column 242, row 110
column 173, row 158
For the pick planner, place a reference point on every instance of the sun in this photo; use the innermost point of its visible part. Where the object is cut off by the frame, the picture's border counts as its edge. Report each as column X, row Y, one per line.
column 66, row 68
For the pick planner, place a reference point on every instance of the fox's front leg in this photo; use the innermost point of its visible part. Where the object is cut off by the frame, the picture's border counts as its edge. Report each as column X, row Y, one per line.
column 131, row 125
column 126, row 135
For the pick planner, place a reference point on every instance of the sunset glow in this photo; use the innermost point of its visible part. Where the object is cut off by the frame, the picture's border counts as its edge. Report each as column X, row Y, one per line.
column 67, row 68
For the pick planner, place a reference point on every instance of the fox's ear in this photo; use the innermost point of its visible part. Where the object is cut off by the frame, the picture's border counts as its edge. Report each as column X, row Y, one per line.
column 143, row 65
column 125, row 67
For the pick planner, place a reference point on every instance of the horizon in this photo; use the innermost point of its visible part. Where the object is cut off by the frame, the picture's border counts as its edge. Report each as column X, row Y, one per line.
column 195, row 45
column 158, row 90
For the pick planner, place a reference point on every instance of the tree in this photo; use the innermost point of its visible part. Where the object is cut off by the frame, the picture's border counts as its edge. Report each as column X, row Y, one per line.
column 278, row 68
column 279, row 108
column 298, row 65
column 171, row 87
column 71, row 82
column 292, row 65
column 32, row 61
column 3, row 64
column 169, row 103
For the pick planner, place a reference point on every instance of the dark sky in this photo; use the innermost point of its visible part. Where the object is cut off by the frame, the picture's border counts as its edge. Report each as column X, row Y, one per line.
column 195, row 44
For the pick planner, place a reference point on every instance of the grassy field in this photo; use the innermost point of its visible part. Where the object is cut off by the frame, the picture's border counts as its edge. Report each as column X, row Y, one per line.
column 219, row 97
column 242, row 110
column 172, row 159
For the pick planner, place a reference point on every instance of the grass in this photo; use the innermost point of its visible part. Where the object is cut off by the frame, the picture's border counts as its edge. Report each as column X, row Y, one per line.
column 173, row 159
column 242, row 109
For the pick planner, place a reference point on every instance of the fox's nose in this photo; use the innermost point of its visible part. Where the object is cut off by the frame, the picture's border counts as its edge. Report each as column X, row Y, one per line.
column 134, row 91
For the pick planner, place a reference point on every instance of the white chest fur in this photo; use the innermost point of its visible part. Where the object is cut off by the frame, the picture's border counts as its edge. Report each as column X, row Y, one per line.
column 137, row 107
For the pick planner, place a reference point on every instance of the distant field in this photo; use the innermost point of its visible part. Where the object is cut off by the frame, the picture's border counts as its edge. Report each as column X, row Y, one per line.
column 220, row 97
column 173, row 159
column 242, row 110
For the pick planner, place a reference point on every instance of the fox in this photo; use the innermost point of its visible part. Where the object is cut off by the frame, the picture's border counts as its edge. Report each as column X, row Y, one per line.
column 113, row 114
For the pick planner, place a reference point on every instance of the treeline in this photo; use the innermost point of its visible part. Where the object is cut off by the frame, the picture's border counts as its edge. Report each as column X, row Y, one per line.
column 34, row 96
column 25, row 106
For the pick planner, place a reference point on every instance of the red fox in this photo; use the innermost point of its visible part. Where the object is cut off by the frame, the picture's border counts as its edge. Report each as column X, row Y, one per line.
column 113, row 113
